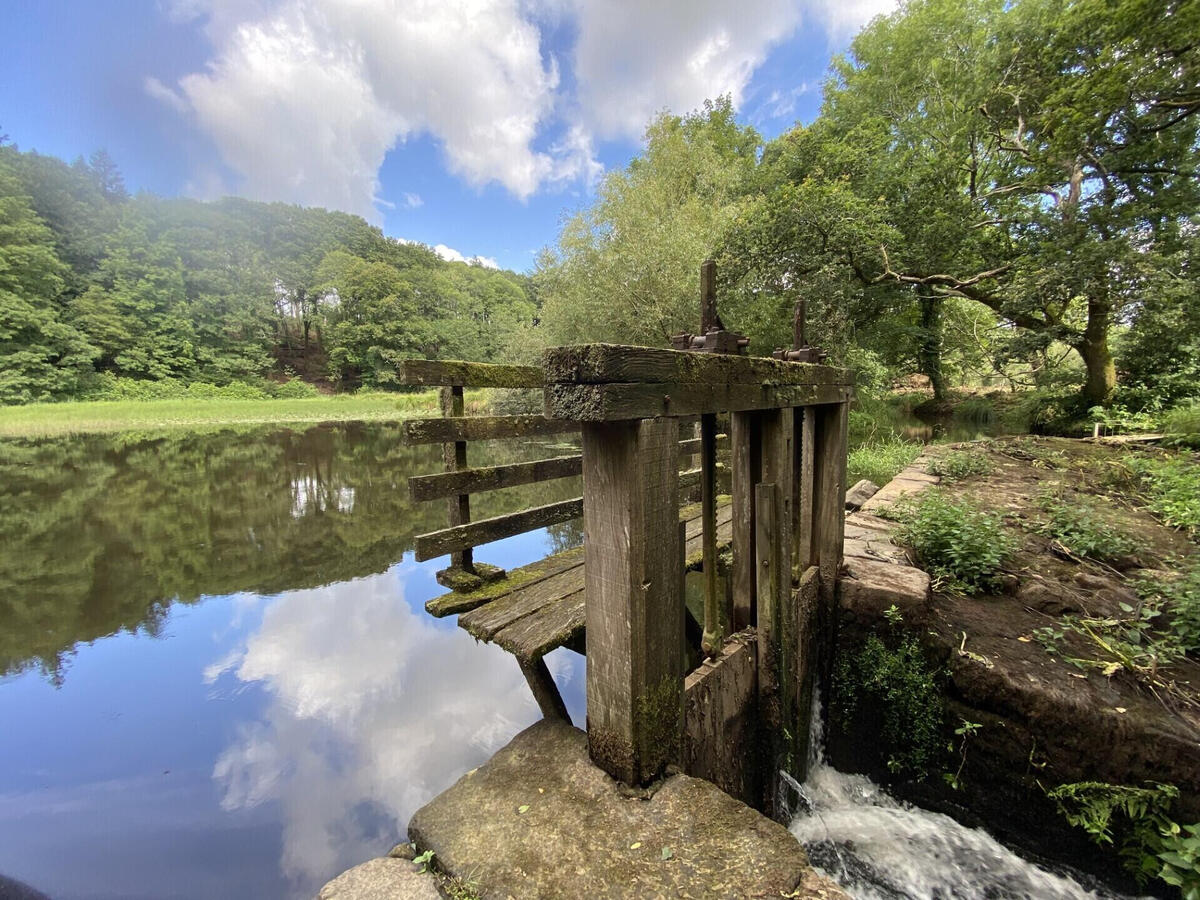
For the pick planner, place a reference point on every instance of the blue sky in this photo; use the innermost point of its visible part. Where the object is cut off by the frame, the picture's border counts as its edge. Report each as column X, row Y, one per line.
column 469, row 124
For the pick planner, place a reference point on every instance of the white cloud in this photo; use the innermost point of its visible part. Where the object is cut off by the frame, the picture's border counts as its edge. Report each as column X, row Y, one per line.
column 412, row 201
column 634, row 59
column 304, row 98
column 452, row 255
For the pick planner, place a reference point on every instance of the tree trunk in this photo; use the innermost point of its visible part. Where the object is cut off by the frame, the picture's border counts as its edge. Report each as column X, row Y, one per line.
column 929, row 352
column 1097, row 357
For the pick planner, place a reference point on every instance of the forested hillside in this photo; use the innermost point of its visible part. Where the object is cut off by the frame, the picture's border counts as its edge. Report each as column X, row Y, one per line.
column 993, row 192
column 99, row 289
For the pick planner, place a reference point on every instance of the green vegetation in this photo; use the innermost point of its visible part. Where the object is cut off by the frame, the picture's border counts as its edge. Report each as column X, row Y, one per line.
column 191, row 411
column 1177, row 596
column 901, row 686
column 1182, row 425
column 97, row 285
column 882, row 461
column 1172, row 486
column 1151, row 843
column 963, row 732
column 1079, row 526
column 959, row 544
column 960, row 464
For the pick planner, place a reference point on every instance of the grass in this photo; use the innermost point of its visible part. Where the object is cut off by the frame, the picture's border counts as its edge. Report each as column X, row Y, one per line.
column 57, row 419
column 960, row 464
column 1173, row 488
column 880, row 462
column 1078, row 525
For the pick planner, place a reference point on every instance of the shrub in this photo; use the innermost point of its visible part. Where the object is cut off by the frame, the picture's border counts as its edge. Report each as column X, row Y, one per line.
column 1173, row 486
column 903, row 685
column 1182, row 425
column 960, row 464
column 1079, row 527
column 956, row 542
column 1179, row 599
column 295, row 389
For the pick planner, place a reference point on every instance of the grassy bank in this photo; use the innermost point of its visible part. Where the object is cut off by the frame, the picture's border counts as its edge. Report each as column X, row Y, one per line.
column 51, row 419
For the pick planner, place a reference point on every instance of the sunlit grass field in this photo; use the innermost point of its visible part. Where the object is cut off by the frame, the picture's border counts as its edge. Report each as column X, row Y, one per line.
column 52, row 419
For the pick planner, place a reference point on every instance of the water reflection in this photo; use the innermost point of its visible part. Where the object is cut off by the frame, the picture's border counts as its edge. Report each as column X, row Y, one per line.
column 244, row 694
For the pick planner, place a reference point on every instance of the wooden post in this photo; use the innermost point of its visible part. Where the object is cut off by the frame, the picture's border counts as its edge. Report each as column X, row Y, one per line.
column 829, row 518
column 803, row 553
column 767, row 551
column 545, row 691
column 714, row 606
column 745, row 460
column 454, row 455
column 634, row 612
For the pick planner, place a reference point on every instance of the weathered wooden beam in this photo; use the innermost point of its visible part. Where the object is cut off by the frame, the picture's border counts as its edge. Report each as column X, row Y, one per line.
column 615, row 402
column 491, row 478
column 803, row 552
column 459, row 537
column 768, row 565
column 806, row 603
column 613, row 363
column 634, row 611
column 714, row 617
column 544, row 690
column 745, row 463
column 481, row 428
column 690, row 478
column 454, row 456
column 829, row 517
column 458, row 373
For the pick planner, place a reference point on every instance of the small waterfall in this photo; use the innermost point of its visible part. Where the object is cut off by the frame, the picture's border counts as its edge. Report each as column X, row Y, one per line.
column 878, row 848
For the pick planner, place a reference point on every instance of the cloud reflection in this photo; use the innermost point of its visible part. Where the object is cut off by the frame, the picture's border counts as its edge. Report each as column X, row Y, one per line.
column 375, row 707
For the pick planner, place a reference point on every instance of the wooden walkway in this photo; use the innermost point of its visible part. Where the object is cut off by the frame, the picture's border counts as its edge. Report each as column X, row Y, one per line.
column 540, row 607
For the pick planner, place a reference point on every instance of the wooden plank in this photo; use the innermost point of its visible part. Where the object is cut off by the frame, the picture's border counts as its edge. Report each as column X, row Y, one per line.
column 829, row 517
column 459, row 537
column 543, row 688
column 804, row 673
column 481, row 428
column 634, row 611
column 556, row 625
column 454, row 456
column 486, row 621
column 491, row 478
column 617, row 402
column 802, row 543
column 456, row 602
column 714, row 613
column 613, row 363
column 745, row 463
column 768, row 550
column 458, row 373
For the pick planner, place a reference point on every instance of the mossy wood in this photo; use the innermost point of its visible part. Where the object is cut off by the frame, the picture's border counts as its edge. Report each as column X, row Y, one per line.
column 614, row 363
column 481, row 428
column 484, row 531
column 634, row 610
column 619, row 401
column 490, row 478
column 458, row 373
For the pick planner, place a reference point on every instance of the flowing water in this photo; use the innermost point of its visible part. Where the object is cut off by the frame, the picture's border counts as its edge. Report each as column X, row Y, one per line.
column 879, row 848
column 218, row 678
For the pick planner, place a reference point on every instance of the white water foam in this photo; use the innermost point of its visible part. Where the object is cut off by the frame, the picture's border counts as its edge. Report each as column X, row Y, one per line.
column 878, row 848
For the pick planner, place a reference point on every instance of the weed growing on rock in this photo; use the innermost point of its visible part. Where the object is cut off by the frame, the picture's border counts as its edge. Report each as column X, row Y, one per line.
column 1179, row 599
column 1079, row 527
column 956, row 542
column 960, row 464
column 1151, row 844
column 895, row 677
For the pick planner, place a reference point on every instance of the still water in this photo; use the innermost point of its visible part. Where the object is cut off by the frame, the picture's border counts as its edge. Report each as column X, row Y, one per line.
column 218, row 676
column 219, row 681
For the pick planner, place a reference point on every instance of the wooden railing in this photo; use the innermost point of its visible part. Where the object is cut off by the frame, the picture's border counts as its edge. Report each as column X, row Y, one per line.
column 454, row 430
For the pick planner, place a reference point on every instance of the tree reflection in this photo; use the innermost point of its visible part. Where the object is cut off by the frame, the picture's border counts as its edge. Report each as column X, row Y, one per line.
column 103, row 533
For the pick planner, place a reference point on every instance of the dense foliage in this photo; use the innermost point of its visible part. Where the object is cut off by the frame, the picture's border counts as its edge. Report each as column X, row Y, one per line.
column 96, row 284
column 993, row 189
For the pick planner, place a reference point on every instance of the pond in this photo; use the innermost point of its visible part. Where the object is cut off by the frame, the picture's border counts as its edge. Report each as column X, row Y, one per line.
column 218, row 676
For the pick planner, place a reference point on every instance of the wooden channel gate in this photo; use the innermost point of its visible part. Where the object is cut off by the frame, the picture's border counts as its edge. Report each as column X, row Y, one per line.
column 727, row 698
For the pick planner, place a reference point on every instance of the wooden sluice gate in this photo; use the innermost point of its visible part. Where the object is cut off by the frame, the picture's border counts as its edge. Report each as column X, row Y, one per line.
column 727, row 698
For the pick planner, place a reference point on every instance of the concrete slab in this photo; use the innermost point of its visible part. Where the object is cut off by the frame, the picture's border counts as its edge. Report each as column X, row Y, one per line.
column 539, row 820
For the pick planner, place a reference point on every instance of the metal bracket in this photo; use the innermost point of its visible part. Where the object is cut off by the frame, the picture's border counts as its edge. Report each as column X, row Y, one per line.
column 800, row 351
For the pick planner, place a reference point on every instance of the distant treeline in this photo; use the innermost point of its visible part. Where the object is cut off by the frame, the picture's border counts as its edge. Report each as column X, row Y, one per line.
column 97, row 284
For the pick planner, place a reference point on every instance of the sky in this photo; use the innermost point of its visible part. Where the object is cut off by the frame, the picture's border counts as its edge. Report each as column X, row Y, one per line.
column 473, row 126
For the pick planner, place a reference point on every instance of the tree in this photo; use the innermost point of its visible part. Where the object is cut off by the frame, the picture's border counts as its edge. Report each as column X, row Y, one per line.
column 41, row 356
column 626, row 269
column 1034, row 157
